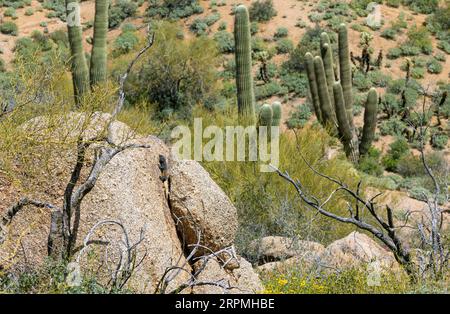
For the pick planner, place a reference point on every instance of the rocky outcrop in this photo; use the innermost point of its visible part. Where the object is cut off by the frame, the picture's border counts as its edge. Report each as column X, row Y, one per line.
column 240, row 280
column 275, row 248
column 202, row 207
column 130, row 192
column 355, row 250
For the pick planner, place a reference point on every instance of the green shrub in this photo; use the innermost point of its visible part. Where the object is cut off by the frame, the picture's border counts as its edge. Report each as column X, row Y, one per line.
column 164, row 78
column 296, row 83
column 394, row 3
column 370, row 163
column 299, row 117
column 389, row 33
column 121, row 10
column 225, row 41
column 397, row 150
column 422, row 6
column 281, row 32
column 262, row 11
column 434, row 66
column 174, row 9
column 29, row 12
column 439, row 141
column 268, row 90
column 125, row 43
column 420, row 38
column 10, row 12
column 284, row 46
column 394, row 53
column 9, row 28
column 393, row 126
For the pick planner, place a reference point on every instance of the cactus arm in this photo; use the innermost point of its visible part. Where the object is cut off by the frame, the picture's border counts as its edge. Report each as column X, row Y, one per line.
column 276, row 116
column 327, row 58
column 79, row 69
column 324, row 96
column 313, row 85
column 345, row 71
column 370, row 122
column 345, row 132
column 99, row 50
column 265, row 115
column 244, row 77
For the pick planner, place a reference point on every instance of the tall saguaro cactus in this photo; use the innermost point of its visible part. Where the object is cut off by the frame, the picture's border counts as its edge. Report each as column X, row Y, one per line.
column 244, row 76
column 99, row 52
column 80, row 72
column 333, row 101
column 83, row 77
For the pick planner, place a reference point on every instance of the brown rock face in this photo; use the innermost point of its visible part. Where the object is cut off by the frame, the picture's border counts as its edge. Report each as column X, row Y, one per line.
column 129, row 191
column 240, row 280
column 202, row 206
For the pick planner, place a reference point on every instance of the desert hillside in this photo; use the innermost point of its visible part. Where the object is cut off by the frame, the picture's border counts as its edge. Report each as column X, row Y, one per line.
column 356, row 172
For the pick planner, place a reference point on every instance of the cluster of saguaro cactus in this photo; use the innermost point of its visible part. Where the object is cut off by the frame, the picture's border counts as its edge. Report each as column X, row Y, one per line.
column 270, row 115
column 83, row 77
column 332, row 99
column 244, row 75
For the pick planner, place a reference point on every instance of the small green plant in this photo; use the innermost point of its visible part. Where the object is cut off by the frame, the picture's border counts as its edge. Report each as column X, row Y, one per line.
column 262, row 11
column 281, row 32
column 9, row 28
column 397, row 150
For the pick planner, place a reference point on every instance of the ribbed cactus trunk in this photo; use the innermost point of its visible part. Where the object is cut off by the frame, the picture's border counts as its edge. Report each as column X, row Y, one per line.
column 370, row 122
column 345, row 71
column 313, row 85
column 327, row 57
column 325, row 102
column 345, row 132
column 265, row 115
column 244, row 76
column 99, row 50
column 276, row 113
column 80, row 72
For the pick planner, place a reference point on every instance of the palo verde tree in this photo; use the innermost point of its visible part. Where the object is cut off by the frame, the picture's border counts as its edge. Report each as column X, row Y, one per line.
column 83, row 77
column 333, row 100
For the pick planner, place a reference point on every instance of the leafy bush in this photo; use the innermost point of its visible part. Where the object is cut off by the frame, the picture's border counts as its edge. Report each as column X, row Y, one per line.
column 262, row 11
column 310, row 42
column 167, row 82
column 9, row 28
column 268, row 90
column 173, row 9
column 200, row 25
column 422, row 6
column 296, row 83
column 125, row 42
column 394, row 53
column 299, row 117
column 420, row 37
column 439, row 141
column 284, row 46
column 393, row 126
column 29, row 12
column 225, row 41
column 370, row 163
column 397, row 150
column 434, row 66
column 281, row 32
column 121, row 10
column 389, row 33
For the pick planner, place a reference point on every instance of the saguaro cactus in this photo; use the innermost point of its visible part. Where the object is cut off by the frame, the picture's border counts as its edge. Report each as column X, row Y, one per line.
column 265, row 115
column 335, row 103
column 99, row 51
column 83, row 77
column 276, row 110
column 80, row 73
column 244, row 76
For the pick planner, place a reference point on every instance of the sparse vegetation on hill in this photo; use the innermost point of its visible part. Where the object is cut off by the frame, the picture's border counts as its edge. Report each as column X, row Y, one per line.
column 358, row 88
